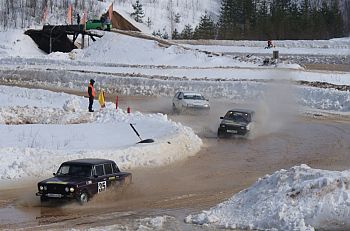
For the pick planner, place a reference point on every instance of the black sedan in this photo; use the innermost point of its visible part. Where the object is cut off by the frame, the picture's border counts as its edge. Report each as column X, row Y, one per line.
column 81, row 179
column 236, row 122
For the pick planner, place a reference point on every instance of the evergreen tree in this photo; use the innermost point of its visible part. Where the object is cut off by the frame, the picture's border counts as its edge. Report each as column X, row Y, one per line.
column 279, row 16
column 248, row 9
column 175, row 35
column 336, row 23
column 158, row 33
column 187, row 32
column 165, row 35
column 228, row 19
column 238, row 18
column 205, row 29
column 149, row 22
column 294, row 27
column 305, row 13
column 177, row 18
column 325, row 12
column 138, row 13
column 318, row 23
column 263, row 29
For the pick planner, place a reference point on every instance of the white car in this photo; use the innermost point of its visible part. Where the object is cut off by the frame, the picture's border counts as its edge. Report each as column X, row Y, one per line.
column 184, row 101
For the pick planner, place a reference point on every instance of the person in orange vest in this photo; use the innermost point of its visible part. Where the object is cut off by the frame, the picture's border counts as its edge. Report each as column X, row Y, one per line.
column 91, row 92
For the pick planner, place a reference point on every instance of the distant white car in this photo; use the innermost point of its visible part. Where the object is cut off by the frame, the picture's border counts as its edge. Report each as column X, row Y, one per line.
column 184, row 101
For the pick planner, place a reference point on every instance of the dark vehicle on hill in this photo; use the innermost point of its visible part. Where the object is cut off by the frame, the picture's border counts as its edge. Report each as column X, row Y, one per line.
column 236, row 122
column 81, row 179
column 97, row 24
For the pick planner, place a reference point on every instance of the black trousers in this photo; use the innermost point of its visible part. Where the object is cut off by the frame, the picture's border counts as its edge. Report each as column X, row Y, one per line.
column 91, row 101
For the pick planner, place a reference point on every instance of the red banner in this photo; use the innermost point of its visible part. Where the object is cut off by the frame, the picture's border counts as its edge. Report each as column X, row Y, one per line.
column 110, row 11
column 69, row 14
column 44, row 16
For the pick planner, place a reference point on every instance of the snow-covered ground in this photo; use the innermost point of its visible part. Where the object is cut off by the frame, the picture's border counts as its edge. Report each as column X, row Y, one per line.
column 338, row 46
column 41, row 129
column 300, row 198
column 157, row 223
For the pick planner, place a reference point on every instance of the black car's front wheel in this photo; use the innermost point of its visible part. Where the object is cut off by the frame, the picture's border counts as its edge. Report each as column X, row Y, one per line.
column 221, row 134
column 174, row 108
column 83, row 198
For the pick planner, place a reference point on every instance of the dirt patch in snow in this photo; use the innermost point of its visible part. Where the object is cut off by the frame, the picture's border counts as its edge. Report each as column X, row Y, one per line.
column 328, row 67
column 325, row 85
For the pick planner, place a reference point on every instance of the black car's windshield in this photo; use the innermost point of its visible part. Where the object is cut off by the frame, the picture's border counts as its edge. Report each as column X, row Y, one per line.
column 193, row 96
column 238, row 117
column 74, row 170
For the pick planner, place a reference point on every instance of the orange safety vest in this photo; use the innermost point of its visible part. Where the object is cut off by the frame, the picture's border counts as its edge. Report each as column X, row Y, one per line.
column 92, row 90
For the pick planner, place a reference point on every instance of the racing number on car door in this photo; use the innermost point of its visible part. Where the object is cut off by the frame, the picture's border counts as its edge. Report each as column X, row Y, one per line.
column 101, row 186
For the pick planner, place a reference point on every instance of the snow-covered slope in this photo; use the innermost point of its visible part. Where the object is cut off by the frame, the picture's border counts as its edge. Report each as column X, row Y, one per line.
column 161, row 13
column 300, row 198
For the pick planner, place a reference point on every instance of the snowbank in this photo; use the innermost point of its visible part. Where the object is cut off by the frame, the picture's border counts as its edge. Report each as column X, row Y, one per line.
column 118, row 48
column 300, row 198
column 240, row 91
column 324, row 99
column 56, row 127
column 149, row 223
column 15, row 43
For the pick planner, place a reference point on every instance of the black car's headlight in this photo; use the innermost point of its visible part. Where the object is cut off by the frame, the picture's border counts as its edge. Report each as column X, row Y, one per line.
column 41, row 188
column 222, row 125
column 69, row 189
column 243, row 128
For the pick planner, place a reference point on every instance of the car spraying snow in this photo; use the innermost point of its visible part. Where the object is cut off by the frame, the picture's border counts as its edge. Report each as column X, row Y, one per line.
column 236, row 122
column 189, row 101
column 81, row 179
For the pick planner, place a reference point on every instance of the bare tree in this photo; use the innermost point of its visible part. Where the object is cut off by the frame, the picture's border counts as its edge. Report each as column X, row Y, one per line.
column 171, row 15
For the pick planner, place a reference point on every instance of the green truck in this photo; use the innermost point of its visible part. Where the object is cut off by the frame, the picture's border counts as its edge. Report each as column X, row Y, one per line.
column 96, row 24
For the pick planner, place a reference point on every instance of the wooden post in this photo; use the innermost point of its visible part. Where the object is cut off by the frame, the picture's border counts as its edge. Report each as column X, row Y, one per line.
column 83, row 40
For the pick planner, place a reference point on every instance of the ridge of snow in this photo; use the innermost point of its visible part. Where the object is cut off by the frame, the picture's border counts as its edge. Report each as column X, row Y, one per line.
column 300, row 198
column 130, row 50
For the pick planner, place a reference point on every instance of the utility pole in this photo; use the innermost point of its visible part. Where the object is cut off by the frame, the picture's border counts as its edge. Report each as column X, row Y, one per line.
column 51, row 39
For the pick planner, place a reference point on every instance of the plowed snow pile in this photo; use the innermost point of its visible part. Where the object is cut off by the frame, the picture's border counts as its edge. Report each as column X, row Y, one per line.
column 300, row 198
column 122, row 49
column 15, row 43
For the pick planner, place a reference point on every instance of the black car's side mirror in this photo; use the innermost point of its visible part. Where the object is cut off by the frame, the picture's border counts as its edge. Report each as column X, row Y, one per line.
column 54, row 174
column 221, row 117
